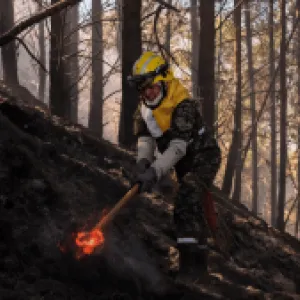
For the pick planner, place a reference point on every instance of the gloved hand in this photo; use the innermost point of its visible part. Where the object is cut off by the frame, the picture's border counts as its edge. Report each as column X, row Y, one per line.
column 147, row 180
column 142, row 165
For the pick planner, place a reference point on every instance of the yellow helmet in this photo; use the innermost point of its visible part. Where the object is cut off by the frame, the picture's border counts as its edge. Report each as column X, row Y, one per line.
column 149, row 68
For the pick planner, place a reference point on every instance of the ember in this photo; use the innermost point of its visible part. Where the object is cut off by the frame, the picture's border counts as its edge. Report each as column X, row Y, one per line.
column 88, row 241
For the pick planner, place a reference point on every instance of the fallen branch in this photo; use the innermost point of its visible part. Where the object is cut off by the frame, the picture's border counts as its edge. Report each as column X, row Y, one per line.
column 48, row 12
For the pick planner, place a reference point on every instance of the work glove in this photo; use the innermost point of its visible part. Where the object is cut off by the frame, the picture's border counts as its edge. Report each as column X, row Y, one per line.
column 142, row 165
column 147, row 180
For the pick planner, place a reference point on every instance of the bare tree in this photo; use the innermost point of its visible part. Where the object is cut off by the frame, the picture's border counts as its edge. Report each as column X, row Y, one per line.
column 168, row 29
column 9, row 58
column 131, row 50
column 273, row 149
column 71, row 41
column 297, row 223
column 96, row 102
column 234, row 162
column 195, row 28
column 238, row 108
column 253, row 109
column 42, row 58
column 119, row 29
column 283, row 109
column 60, row 100
column 206, row 71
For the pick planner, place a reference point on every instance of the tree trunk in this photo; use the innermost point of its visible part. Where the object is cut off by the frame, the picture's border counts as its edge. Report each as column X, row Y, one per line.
column 131, row 50
column 219, row 65
column 253, row 109
column 283, row 110
column 60, row 102
column 96, row 102
column 238, row 109
column 9, row 58
column 168, row 30
column 119, row 29
column 234, row 162
column 195, row 28
column 298, row 118
column 273, row 116
column 206, row 66
column 42, row 74
column 71, row 39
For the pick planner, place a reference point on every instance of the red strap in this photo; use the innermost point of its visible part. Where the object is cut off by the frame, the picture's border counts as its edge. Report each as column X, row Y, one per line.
column 210, row 211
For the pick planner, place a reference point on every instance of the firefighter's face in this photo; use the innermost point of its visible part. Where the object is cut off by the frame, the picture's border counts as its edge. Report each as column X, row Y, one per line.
column 152, row 92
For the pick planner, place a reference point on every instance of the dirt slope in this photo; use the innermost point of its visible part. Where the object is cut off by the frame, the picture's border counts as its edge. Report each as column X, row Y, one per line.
column 56, row 177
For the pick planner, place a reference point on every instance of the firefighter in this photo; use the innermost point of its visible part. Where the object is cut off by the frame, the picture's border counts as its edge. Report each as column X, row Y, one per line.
column 169, row 119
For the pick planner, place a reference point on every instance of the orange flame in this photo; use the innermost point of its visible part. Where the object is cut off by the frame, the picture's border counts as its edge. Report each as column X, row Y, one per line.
column 88, row 241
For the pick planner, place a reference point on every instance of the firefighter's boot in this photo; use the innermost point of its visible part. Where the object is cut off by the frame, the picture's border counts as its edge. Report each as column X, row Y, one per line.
column 193, row 261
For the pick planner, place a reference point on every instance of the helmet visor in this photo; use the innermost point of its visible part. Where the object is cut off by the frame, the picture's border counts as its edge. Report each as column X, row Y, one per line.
column 141, row 82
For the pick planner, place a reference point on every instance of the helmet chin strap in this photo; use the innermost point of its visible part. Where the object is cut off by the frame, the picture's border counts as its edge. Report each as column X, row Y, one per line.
column 156, row 102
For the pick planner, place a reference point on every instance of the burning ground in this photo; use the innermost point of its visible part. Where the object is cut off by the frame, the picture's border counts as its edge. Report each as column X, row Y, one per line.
column 57, row 179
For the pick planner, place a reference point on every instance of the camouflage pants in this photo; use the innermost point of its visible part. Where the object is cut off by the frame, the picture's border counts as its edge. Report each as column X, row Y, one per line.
column 189, row 217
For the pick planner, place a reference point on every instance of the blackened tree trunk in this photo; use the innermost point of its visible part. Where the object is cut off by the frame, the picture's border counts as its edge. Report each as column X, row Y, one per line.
column 9, row 58
column 206, row 64
column 283, row 109
column 131, row 50
column 42, row 74
column 72, row 36
column 60, row 100
column 96, row 102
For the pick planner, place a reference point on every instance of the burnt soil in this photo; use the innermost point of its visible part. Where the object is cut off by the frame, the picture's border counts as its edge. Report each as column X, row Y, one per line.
column 56, row 177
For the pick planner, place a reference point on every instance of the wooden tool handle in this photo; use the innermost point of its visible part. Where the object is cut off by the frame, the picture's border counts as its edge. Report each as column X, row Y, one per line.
column 112, row 213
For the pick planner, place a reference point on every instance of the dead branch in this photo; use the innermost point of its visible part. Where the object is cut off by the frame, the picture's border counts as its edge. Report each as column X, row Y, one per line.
column 31, row 54
column 167, row 5
column 48, row 12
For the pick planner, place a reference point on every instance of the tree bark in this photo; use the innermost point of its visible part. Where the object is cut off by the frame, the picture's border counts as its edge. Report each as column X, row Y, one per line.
column 168, row 30
column 131, row 50
column 273, row 116
column 234, row 162
column 297, row 223
column 119, row 29
column 238, row 108
column 283, row 109
column 96, row 102
column 9, row 58
column 42, row 74
column 60, row 102
column 253, row 109
column 195, row 28
column 206, row 65
column 71, row 41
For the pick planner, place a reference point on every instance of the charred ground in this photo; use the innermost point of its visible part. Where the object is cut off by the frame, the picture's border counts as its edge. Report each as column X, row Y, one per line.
column 56, row 177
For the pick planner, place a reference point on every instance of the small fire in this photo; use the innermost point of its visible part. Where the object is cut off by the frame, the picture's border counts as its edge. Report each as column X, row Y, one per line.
column 88, row 241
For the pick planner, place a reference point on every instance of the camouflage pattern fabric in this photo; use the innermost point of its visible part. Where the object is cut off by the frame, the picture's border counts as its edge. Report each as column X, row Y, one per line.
column 189, row 216
column 195, row 171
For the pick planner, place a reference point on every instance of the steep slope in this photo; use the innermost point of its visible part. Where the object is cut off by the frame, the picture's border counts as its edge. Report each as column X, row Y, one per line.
column 56, row 177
